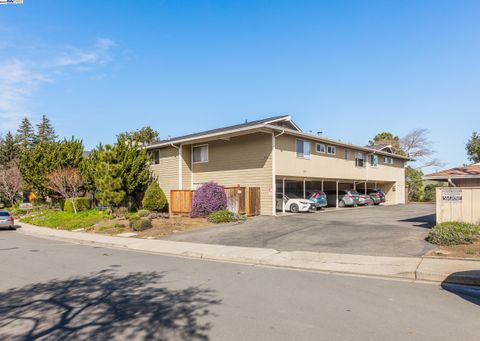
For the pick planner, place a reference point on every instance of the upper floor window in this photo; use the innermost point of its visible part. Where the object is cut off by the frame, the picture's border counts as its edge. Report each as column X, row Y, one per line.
column 387, row 160
column 331, row 150
column 303, row 149
column 320, row 148
column 374, row 160
column 200, row 153
column 360, row 160
column 155, row 155
column 346, row 154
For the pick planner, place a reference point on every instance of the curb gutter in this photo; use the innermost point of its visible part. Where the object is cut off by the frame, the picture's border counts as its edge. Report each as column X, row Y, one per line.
column 404, row 268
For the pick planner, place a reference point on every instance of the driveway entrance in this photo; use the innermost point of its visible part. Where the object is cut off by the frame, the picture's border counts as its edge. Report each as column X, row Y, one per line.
column 398, row 230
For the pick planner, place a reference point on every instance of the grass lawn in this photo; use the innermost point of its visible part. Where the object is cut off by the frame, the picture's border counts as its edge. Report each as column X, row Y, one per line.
column 64, row 220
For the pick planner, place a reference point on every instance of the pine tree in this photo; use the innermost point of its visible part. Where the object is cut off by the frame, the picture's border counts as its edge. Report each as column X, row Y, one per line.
column 108, row 180
column 25, row 134
column 9, row 150
column 45, row 131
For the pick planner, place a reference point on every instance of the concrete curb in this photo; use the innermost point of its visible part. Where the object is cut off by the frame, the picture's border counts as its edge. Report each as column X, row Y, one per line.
column 406, row 268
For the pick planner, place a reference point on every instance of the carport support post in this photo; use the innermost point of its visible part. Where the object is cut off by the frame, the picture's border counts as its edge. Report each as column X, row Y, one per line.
column 283, row 195
column 322, row 185
column 365, row 188
column 304, row 188
column 337, row 192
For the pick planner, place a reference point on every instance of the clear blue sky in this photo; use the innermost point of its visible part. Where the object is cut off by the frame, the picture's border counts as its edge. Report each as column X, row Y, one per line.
column 347, row 68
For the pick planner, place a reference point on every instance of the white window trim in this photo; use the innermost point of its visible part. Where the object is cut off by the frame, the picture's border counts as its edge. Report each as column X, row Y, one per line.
column 324, row 148
column 306, row 157
column 334, row 150
column 365, row 160
column 388, row 160
column 153, row 158
column 208, row 152
column 371, row 164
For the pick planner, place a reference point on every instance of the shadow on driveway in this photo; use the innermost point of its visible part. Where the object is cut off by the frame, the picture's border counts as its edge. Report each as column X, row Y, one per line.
column 425, row 221
column 105, row 306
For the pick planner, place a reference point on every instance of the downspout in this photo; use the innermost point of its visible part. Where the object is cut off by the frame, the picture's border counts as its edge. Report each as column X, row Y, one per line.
column 180, row 165
column 451, row 182
column 274, row 173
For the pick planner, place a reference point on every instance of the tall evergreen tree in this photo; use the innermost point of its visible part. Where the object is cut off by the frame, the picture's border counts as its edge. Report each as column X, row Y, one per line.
column 9, row 150
column 37, row 162
column 45, row 131
column 108, row 180
column 25, row 134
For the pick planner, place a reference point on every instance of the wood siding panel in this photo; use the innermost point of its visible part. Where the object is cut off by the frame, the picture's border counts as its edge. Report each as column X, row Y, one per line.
column 166, row 172
column 243, row 160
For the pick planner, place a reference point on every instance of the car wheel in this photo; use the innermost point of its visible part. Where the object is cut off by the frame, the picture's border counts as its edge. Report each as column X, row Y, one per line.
column 341, row 203
column 294, row 208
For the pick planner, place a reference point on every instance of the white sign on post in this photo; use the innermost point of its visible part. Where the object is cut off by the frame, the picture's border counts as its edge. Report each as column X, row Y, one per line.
column 452, row 195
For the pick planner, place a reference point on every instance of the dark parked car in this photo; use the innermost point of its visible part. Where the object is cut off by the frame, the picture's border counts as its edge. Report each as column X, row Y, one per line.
column 318, row 197
column 345, row 197
column 377, row 195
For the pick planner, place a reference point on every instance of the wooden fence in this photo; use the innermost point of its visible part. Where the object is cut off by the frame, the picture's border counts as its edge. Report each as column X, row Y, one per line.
column 180, row 201
column 241, row 200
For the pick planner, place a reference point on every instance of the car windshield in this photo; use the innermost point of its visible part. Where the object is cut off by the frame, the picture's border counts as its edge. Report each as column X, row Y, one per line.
column 293, row 196
column 4, row 214
column 354, row 193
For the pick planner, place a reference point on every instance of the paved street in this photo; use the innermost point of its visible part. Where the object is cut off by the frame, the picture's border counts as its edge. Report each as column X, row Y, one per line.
column 55, row 290
column 378, row 231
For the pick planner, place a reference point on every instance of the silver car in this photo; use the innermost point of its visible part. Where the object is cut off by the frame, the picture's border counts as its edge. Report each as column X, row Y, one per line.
column 345, row 198
column 6, row 220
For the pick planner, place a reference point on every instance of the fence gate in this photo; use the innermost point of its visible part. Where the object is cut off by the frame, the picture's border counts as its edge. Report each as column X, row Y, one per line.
column 253, row 201
column 180, row 201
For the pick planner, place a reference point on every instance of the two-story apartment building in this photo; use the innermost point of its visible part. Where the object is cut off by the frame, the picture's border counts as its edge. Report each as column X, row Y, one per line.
column 275, row 155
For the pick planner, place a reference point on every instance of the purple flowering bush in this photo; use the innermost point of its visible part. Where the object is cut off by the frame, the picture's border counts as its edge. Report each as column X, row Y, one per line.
column 208, row 198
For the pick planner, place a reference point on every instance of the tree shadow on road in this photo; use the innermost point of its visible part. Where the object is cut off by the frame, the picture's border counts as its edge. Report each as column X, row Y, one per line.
column 463, row 290
column 105, row 306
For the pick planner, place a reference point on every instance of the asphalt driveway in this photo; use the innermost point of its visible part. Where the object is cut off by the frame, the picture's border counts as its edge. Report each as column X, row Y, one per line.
column 398, row 230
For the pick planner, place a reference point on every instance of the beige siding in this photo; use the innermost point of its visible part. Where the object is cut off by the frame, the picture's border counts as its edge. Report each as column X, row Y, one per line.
column 186, row 167
column 166, row 172
column 324, row 166
column 243, row 160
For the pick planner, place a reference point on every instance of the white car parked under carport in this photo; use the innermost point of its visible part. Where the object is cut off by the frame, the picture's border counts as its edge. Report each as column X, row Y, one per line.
column 294, row 203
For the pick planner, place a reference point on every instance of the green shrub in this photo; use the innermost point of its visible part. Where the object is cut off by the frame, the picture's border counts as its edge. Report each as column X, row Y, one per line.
column 65, row 220
column 223, row 216
column 81, row 204
column 140, row 224
column 454, row 233
column 120, row 212
column 154, row 198
column 143, row 213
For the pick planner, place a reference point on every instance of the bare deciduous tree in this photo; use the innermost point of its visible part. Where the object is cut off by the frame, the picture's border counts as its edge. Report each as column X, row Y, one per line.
column 10, row 181
column 417, row 146
column 66, row 182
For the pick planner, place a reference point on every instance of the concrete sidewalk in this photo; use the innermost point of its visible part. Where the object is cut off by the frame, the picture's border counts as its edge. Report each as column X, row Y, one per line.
column 408, row 268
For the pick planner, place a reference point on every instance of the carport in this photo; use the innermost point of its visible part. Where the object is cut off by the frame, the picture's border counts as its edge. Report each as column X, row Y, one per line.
column 300, row 186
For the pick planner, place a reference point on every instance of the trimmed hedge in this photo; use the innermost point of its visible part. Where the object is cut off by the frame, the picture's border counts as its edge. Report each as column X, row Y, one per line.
column 140, row 224
column 208, row 198
column 454, row 233
column 81, row 204
column 154, row 198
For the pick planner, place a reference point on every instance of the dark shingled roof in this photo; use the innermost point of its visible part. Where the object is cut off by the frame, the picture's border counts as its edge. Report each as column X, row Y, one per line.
column 222, row 129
